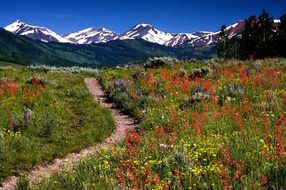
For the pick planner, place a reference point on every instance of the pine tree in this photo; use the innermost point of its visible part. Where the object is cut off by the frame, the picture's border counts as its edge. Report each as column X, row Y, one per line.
column 222, row 42
column 281, row 39
column 249, row 40
column 265, row 35
column 234, row 47
column 226, row 47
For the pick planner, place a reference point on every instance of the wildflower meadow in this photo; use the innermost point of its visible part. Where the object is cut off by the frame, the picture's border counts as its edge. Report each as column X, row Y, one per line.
column 211, row 124
column 45, row 115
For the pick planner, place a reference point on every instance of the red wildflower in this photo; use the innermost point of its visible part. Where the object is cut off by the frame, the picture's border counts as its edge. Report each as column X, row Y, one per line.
column 195, row 121
column 242, row 75
column 208, row 85
column 186, row 124
column 228, row 74
column 279, row 144
column 127, row 163
column 120, row 179
column 237, row 118
column 264, row 180
column 177, row 173
column 28, row 94
column 224, row 180
column 164, row 74
column 172, row 113
column 205, row 105
column 134, row 138
column 34, row 81
column 10, row 88
column 130, row 149
column 147, row 174
column 129, row 175
column 238, row 175
column 156, row 179
column 158, row 131
column 185, row 85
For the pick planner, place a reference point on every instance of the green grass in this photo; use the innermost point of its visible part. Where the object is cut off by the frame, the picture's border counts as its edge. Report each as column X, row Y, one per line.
column 64, row 118
column 224, row 129
column 84, row 177
column 8, row 64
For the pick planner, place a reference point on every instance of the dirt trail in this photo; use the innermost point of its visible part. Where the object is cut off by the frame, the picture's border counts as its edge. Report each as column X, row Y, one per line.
column 123, row 122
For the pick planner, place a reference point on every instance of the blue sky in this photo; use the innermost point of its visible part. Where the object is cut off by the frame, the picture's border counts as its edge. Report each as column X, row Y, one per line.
column 65, row 16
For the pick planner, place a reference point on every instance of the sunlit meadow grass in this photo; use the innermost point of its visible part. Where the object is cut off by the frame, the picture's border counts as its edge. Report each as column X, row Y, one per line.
column 203, row 125
column 45, row 115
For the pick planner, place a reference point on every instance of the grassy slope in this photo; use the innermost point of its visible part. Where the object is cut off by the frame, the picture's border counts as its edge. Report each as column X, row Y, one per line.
column 234, row 140
column 64, row 118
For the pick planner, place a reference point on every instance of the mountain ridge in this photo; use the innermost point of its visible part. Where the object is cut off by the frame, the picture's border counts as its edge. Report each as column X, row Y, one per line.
column 143, row 31
column 26, row 51
column 92, row 35
column 35, row 32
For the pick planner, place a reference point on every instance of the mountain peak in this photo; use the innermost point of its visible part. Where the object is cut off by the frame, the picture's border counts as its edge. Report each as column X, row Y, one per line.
column 92, row 35
column 147, row 32
column 34, row 32
column 13, row 27
column 144, row 25
column 18, row 21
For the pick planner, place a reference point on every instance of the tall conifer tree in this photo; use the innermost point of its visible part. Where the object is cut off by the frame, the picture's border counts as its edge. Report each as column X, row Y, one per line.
column 266, row 35
column 249, row 39
column 281, row 39
column 222, row 43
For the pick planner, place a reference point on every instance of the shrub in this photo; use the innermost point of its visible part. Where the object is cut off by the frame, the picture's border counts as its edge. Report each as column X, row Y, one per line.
column 199, row 94
column 53, row 69
column 199, row 73
column 48, row 125
column 37, row 81
column 157, row 62
column 235, row 90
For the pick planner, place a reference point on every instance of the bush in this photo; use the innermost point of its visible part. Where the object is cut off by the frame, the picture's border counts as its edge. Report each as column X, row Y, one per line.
column 37, row 81
column 199, row 94
column 199, row 73
column 157, row 62
column 235, row 90
column 53, row 69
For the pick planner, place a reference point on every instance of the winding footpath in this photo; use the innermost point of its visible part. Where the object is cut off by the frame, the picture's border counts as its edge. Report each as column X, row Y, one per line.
column 123, row 123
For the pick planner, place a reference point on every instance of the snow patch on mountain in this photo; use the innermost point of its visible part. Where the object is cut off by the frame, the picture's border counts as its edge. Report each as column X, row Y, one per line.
column 180, row 39
column 148, row 33
column 92, row 35
column 35, row 32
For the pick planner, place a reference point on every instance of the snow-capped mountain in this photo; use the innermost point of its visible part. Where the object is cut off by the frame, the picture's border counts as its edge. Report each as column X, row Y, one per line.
column 211, row 38
column 180, row 39
column 201, row 33
column 140, row 31
column 205, row 40
column 35, row 32
column 235, row 29
column 92, row 35
column 148, row 33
